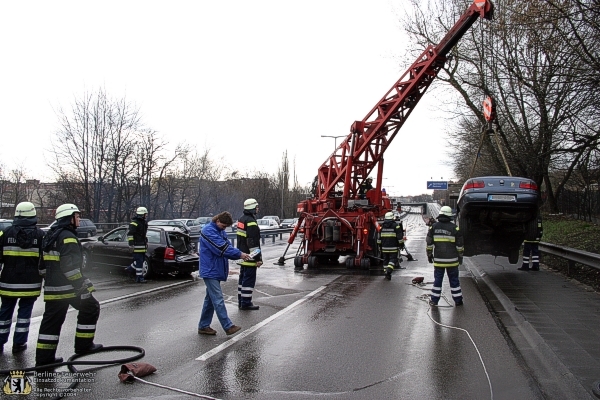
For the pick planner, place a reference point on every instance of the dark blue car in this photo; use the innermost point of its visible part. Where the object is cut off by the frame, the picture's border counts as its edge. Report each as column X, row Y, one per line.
column 496, row 213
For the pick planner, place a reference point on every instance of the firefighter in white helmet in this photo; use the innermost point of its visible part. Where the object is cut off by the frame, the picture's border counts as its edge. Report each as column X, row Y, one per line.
column 248, row 240
column 365, row 187
column 391, row 239
column 65, row 286
column 445, row 251
column 20, row 251
column 138, row 242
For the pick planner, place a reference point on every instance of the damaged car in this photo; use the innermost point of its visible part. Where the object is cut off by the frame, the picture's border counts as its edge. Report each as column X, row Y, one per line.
column 496, row 214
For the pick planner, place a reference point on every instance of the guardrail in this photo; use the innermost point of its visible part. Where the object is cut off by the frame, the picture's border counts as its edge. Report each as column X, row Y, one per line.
column 571, row 255
column 272, row 233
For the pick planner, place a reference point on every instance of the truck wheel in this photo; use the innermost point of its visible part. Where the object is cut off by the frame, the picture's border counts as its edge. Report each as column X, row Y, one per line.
column 298, row 264
column 365, row 263
column 312, row 262
column 349, row 262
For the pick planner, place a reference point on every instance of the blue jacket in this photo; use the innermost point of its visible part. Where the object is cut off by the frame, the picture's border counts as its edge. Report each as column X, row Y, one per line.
column 215, row 250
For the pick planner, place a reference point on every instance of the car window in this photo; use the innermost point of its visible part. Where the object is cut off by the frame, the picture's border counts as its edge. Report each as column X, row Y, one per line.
column 153, row 236
column 116, row 236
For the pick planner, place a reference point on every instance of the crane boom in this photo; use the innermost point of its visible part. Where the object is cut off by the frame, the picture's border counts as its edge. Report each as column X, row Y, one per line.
column 337, row 224
column 356, row 157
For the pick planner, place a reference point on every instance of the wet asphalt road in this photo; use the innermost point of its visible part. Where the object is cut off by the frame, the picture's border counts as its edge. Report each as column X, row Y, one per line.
column 327, row 335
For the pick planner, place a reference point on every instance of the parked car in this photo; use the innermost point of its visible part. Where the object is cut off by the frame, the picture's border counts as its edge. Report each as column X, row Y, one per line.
column 203, row 221
column 191, row 224
column 266, row 224
column 275, row 217
column 5, row 223
column 194, row 234
column 496, row 213
column 169, row 251
column 85, row 229
column 287, row 223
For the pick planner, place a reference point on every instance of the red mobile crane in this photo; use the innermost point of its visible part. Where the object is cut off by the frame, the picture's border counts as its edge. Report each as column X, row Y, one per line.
column 337, row 222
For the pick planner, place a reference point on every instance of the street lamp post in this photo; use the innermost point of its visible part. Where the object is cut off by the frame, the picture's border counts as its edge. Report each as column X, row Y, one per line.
column 335, row 138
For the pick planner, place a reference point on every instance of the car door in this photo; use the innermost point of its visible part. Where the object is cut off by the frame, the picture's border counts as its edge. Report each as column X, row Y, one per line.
column 114, row 249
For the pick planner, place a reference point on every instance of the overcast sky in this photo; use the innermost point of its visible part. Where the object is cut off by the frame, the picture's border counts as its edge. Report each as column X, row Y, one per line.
column 247, row 80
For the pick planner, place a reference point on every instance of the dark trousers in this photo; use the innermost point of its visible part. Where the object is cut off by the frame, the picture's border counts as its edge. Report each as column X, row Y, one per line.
column 531, row 253
column 138, row 261
column 438, row 278
column 23, row 318
column 390, row 260
column 246, row 285
column 53, row 319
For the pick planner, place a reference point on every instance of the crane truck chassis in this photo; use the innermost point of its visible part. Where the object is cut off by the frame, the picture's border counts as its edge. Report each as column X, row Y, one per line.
column 338, row 222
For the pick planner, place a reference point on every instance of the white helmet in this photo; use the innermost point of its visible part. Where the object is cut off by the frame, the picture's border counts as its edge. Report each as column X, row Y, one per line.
column 141, row 211
column 389, row 215
column 447, row 211
column 25, row 209
column 250, row 204
column 66, row 210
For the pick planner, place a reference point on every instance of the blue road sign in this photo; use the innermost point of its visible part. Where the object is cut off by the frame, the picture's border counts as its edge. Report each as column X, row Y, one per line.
column 439, row 185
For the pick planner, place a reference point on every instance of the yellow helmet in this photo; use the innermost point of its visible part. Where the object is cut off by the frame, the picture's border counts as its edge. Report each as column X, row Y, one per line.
column 66, row 210
column 141, row 211
column 25, row 209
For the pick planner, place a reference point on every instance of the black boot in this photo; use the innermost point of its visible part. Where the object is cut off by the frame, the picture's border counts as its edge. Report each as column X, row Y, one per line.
column 388, row 273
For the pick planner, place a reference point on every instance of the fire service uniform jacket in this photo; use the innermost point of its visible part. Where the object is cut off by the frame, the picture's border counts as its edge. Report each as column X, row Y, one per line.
column 248, row 237
column 538, row 233
column 391, row 236
column 20, row 251
column 136, row 236
column 448, row 242
column 63, row 259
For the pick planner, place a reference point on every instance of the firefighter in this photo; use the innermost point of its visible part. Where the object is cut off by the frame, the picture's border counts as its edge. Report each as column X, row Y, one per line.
column 65, row 285
column 248, row 239
column 365, row 187
column 138, row 242
column 445, row 251
column 20, row 251
column 391, row 239
column 531, row 251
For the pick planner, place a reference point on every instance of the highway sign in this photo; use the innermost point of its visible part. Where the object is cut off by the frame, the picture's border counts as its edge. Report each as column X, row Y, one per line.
column 438, row 185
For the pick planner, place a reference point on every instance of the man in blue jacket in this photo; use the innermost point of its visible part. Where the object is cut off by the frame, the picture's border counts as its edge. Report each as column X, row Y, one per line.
column 215, row 251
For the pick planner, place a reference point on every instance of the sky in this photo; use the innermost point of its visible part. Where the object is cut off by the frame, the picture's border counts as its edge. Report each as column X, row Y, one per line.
column 245, row 80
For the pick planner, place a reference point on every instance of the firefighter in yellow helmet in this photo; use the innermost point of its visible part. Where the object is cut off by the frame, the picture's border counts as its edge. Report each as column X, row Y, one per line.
column 20, row 251
column 445, row 251
column 65, row 286
column 138, row 242
column 248, row 240
column 391, row 239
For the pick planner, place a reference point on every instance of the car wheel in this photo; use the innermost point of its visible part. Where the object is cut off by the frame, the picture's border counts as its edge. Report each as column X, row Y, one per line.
column 147, row 269
column 86, row 261
column 513, row 256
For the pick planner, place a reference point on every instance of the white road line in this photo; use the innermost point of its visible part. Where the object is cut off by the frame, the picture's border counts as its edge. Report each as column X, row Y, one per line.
column 254, row 328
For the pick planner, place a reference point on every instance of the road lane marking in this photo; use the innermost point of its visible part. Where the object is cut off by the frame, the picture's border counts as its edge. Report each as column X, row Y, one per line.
column 254, row 328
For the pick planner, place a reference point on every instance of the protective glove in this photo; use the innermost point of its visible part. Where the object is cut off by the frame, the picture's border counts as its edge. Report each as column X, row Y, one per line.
column 460, row 260
column 85, row 290
column 42, row 272
column 430, row 258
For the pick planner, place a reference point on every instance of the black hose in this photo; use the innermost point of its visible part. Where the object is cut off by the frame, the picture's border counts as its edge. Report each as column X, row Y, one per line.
column 71, row 363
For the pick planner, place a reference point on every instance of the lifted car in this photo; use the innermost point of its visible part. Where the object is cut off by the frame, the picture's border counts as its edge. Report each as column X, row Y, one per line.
column 496, row 213
column 169, row 251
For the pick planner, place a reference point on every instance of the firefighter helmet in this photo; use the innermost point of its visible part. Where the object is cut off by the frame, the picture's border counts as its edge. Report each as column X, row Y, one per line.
column 447, row 211
column 66, row 210
column 141, row 211
column 369, row 179
column 25, row 209
column 250, row 204
column 389, row 215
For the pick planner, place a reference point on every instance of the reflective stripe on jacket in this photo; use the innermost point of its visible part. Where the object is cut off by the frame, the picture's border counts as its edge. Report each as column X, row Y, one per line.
column 391, row 236
column 445, row 242
column 63, row 258
column 248, row 237
column 20, row 251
